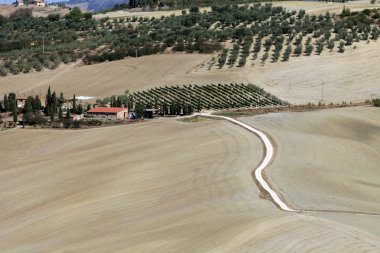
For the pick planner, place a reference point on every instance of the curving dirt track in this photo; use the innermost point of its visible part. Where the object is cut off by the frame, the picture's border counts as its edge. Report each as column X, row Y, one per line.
column 327, row 161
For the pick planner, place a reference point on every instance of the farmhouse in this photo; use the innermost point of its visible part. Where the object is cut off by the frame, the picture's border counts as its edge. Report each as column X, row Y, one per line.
column 21, row 101
column 20, row 3
column 108, row 113
column 39, row 3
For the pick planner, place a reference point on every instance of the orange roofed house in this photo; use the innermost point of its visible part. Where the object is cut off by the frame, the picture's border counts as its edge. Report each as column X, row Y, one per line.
column 108, row 113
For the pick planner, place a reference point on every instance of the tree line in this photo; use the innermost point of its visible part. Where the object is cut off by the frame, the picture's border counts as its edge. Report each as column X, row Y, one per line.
column 35, row 112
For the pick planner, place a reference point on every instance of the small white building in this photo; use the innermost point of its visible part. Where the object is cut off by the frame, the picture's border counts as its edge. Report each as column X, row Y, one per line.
column 39, row 3
column 20, row 3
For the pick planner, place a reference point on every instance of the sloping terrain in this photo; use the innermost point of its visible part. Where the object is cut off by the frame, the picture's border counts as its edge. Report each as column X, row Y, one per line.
column 113, row 78
column 162, row 186
column 327, row 160
column 349, row 77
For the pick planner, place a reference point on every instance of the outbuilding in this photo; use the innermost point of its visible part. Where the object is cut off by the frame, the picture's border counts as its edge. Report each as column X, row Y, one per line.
column 108, row 113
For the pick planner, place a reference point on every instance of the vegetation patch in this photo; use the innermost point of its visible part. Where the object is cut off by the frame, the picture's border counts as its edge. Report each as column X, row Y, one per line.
column 260, row 30
column 184, row 100
column 195, row 119
column 376, row 102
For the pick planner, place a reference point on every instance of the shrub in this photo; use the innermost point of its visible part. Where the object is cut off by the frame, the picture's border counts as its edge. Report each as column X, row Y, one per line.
column 376, row 102
column 34, row 119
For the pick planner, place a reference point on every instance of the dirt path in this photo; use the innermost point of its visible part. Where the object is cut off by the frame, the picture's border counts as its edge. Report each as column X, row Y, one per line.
column 264, row 163
column 275, row 197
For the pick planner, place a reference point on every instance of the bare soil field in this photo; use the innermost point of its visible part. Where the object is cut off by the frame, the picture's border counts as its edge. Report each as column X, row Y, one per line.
column 6, row 10
column 311, row 7
column 351, row 77
column 162, row 186
column 113, row 78
column 327, row 160
column 316, row 8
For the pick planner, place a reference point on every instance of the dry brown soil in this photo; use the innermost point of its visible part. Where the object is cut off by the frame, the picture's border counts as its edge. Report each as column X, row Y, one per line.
column 162, row 186
column 327, row 160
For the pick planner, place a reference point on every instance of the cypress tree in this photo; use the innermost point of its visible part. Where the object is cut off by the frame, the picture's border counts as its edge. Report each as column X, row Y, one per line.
column 51, row 114
column 61, row 99
column 6, row 105
column 68, row 119
column 29, row 104
column 37, row 104
column 68, row 115
column 14, row 114
column 54, row 103
column 79, row 109
column 60, row 116
column 178, row 107
column 48, row 96
column 74, row 110
column 118, row 102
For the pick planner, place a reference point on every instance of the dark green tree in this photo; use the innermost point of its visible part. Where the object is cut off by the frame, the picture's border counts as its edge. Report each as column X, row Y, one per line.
column 6, row 104
column 14, row 111
column 51, row 114
column 199, row 105
column 264, row 58
column 74, row 109
column 37, row 104
column 341, row 47
column 60, row 116
column 29, row 105
column 287, row 53
column 309, row 49
column 75, row 14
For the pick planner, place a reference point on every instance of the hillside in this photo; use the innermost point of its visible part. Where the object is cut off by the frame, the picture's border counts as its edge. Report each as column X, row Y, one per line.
column 100, row 191
column 263, row 33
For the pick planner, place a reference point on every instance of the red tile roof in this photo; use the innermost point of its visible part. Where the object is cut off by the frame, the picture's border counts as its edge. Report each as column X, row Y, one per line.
column 107, row 110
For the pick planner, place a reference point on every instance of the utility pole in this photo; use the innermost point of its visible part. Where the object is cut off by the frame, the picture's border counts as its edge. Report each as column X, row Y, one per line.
column 373, row 90
column 43, row 44
column 136, row 53
column 323, row 90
